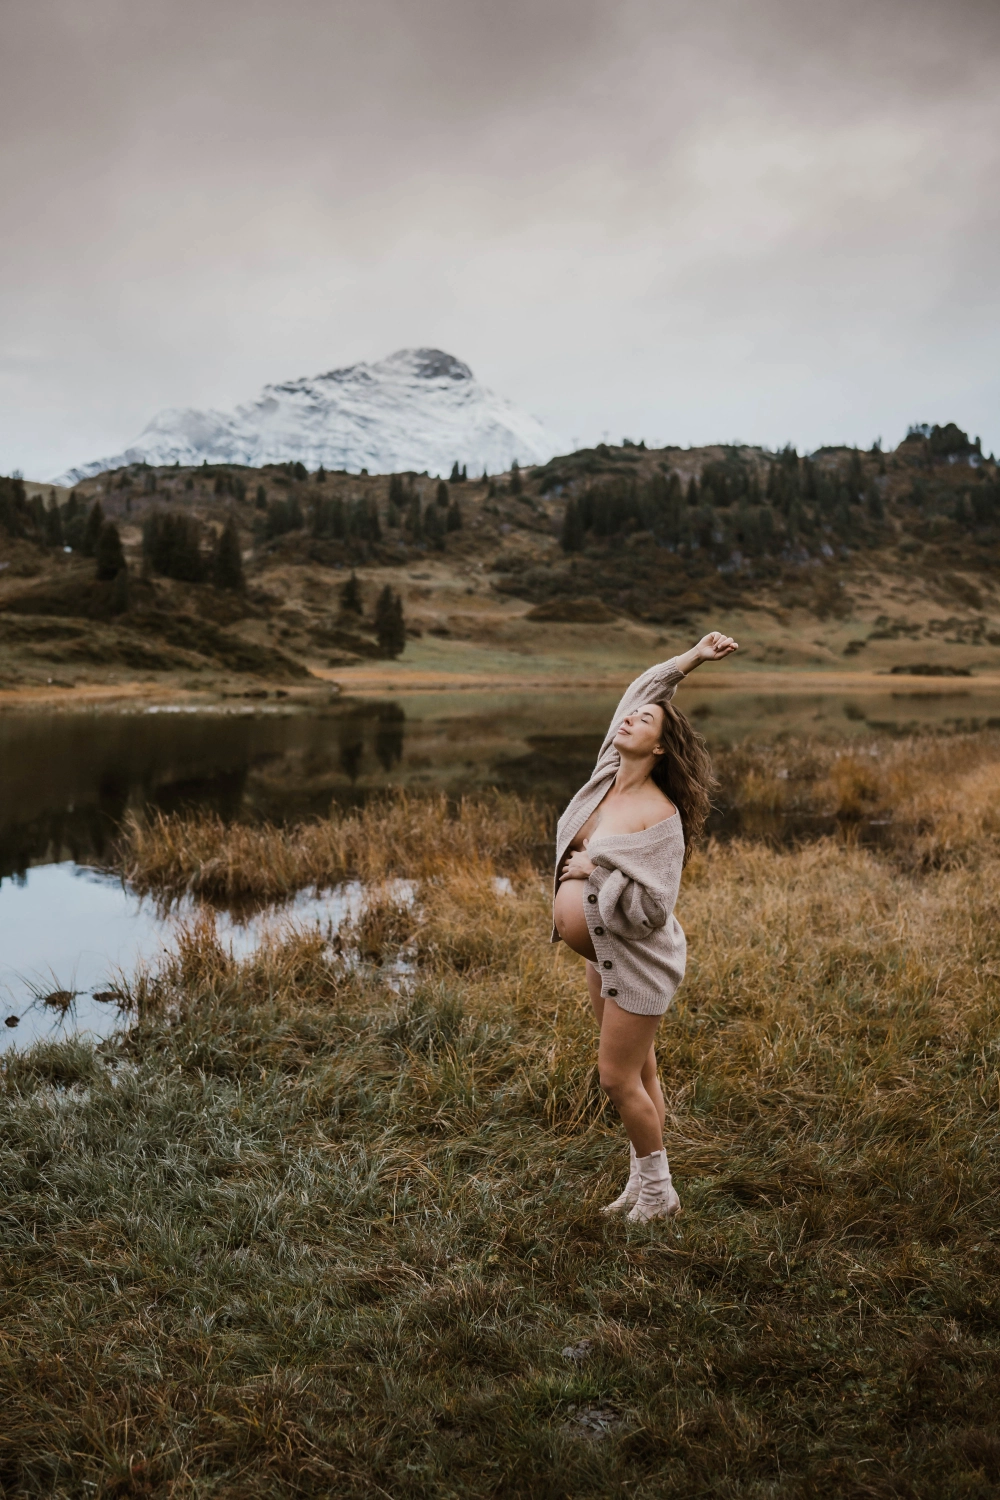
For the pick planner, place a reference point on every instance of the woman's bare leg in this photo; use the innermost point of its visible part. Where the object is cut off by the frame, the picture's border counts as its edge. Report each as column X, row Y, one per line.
column 626, row 1044
column 648, row 1075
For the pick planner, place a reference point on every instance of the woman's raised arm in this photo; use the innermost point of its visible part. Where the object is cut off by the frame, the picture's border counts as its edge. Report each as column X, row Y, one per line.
column 660, row 681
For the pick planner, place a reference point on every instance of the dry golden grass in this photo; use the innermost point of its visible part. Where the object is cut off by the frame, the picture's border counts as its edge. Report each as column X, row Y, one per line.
column 316, row 1228
column 936, row 798
column 396, row 835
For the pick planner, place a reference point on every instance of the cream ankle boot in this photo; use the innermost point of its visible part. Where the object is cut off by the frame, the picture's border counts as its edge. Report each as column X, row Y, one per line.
column 631, row 1193
column 657, row 1198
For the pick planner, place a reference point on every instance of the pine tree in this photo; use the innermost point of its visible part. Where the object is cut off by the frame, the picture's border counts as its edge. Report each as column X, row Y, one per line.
column 441, row 494
column 486, row 477
column 390, row 626
column 414, row 522
column 108, row 554
column 572, row 528
column 455, row 475
column 873, row 501
column 261, row 498
column 465, row 473
column 120, row 593
column 516, row 484
column 92, row 530
column 171, row 544
column 53, row 523
column 350, row 596
column 692, row 492
column 434, row 527
column 227, row 561
column 454, row 518
column 321, row 475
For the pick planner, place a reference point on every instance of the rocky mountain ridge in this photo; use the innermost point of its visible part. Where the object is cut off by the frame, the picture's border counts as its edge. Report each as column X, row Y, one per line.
column 419, row 409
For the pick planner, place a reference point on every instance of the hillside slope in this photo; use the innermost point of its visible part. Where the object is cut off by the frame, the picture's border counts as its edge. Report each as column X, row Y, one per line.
column 847, row 560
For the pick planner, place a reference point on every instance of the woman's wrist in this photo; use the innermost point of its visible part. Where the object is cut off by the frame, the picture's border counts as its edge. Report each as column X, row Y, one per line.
column 688, row 660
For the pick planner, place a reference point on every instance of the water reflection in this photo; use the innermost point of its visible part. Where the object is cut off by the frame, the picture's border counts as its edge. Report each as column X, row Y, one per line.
column 67, row 780
column 71, row 937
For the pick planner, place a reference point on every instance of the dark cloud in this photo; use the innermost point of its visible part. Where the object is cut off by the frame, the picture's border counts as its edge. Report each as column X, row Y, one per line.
column 764, row 220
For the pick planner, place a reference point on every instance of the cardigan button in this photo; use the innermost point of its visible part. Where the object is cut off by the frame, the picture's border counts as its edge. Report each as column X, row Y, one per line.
column 607, row 963
column 592, row 899
column 612, row 993
column 598, row 931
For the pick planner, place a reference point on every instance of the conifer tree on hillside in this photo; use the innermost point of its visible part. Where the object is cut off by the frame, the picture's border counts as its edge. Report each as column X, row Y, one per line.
column 350, row 596
column 390, row 626
column 260, row 500
column 441, row 494
column 227, row 560
column 454, row 518
column 92, row 530
column 455, row 475
column 13, row 506
column 465, row 473
column 414, row 521
column 873, row 501
column 693, row 497
column 572, row 536
column 53, row 523
column 120, row 592
column 516, row 483
column 321, row 475
column 486, row 477
column 434, row 526
column 108, row 554
column 171, row 544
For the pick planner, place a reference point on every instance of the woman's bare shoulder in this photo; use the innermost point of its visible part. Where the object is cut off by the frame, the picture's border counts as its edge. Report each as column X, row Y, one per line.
column 656, row 805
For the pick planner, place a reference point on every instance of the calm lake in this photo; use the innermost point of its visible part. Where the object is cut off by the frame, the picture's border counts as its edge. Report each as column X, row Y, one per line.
column 68, row 778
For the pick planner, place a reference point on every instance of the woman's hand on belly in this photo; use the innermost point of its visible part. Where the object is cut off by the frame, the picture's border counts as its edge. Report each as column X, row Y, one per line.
column 577, row 866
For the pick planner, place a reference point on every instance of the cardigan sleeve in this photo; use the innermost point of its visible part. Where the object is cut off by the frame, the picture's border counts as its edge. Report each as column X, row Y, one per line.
column 628, row 908
column 655, row 684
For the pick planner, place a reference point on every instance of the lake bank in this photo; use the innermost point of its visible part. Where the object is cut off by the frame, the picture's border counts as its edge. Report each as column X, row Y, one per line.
column 404, row 677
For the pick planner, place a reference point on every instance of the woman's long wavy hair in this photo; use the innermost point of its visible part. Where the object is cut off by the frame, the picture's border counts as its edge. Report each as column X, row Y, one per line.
column 684, row 773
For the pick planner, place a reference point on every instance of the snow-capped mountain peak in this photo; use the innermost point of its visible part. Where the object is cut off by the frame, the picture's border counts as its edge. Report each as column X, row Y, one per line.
column 418, row 409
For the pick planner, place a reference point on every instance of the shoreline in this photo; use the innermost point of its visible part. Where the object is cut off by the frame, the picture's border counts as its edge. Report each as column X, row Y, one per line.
column 328, row 685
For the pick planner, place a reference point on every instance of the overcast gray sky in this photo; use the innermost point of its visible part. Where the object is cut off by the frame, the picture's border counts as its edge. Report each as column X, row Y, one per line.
column 732, row 219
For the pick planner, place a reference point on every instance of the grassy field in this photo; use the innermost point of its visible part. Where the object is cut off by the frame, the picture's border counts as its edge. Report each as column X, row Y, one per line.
column 326, row 1221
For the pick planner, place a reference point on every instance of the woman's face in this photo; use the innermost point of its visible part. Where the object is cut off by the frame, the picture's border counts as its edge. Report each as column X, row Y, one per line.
column 639, row 732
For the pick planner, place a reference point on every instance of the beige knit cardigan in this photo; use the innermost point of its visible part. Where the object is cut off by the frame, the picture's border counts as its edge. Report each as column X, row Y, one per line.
column 629, row 897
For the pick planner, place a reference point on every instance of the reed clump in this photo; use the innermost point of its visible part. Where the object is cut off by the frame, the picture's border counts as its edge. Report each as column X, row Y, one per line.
column 320, row 1224
column 398, row 835
column 937, row 799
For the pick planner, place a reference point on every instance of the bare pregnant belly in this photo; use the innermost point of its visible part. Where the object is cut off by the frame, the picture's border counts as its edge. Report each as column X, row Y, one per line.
column 571, row 924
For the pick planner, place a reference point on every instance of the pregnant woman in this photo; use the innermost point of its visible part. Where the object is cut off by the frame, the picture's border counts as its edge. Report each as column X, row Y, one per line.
column 620, row 847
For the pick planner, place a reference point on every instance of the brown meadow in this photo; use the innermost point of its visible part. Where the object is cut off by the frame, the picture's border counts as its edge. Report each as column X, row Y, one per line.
column 326, row 1220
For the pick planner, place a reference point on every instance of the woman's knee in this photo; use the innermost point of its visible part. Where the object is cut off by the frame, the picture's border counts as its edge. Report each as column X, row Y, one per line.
column 614, row 1082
